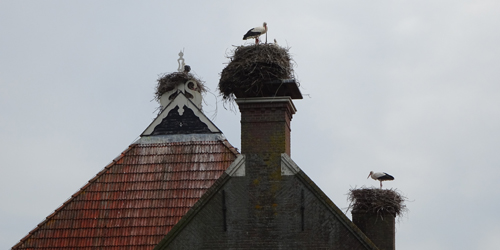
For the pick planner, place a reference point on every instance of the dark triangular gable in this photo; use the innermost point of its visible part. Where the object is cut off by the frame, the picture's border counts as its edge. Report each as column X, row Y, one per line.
column 180, row 116
column 300, row 215
column 174, row 123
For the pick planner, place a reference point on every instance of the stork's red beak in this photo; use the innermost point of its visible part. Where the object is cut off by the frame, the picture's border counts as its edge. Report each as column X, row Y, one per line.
column 369, row 176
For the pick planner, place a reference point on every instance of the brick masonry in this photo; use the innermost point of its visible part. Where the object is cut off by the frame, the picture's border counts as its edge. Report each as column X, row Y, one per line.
column 380, row 228
column 265, row 126
column 264, row 215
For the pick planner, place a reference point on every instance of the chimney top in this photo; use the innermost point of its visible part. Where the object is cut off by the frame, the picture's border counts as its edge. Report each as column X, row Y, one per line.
column 374, row 212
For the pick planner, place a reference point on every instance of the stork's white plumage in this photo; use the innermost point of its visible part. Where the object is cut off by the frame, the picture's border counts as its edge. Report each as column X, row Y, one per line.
column 256, row 32
column 380, row 176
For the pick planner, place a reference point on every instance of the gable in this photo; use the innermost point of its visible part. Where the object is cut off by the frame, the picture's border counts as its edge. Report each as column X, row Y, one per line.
column 187, row 123
column 180, row 116
column 241, row 211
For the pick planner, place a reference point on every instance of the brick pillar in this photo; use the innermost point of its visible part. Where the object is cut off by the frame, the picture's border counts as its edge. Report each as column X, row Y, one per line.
column 380, row 228
column 265, row 124
column 265, row 135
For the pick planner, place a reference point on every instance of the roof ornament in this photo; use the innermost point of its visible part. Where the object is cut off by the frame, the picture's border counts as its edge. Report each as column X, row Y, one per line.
column 170, row 85
column 181, row 64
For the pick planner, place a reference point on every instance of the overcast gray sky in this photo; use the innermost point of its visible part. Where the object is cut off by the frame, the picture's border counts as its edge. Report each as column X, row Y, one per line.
column 406, row 87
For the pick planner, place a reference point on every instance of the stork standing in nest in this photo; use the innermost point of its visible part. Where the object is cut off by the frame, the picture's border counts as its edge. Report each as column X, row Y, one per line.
column 256, row 32
column 380, row 176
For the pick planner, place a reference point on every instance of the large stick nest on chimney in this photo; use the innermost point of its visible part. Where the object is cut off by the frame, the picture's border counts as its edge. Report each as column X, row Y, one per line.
column 251, row 67
column 377, row 201
column 169, row 81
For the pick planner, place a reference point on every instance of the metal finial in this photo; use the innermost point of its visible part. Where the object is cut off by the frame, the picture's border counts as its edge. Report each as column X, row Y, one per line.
column 181, row 64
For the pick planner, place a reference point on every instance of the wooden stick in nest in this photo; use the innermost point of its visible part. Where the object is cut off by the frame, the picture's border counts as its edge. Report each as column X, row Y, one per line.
column 377, row 201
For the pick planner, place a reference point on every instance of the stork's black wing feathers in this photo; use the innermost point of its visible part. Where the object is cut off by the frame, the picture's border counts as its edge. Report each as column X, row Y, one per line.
column 386, row 177
column 250, row 33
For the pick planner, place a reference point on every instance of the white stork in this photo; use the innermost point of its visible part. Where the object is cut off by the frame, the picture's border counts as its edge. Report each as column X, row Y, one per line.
column 380, row 176
column 256, row 32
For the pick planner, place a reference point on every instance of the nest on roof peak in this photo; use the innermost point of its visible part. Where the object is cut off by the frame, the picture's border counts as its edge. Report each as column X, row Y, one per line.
column 377, row 201
column 170, row 81
column 253, row 66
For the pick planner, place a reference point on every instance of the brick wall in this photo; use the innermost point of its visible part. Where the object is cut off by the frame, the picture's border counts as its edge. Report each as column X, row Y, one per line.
column 293, row 219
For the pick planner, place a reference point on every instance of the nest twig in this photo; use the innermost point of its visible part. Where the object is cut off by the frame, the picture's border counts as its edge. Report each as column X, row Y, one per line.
column 169, row 81
column 378, row 201
column 252, row 66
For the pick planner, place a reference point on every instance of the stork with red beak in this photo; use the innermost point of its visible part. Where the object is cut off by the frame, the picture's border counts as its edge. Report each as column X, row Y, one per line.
column 380, row 176
column 256, row 32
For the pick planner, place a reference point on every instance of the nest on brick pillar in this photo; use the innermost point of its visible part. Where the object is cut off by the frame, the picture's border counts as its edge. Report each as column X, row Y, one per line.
column 251, row 67
column 169, row 81
column 377, row 201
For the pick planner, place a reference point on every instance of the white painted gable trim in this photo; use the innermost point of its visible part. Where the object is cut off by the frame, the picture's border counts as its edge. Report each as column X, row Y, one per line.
column 180, row 101
column 237, row 168
column 288, row 166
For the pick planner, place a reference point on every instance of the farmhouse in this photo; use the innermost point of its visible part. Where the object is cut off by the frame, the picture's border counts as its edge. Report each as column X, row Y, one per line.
column 182, row 185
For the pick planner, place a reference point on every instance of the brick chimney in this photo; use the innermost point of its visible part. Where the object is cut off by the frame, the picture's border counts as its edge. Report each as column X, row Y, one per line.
column 374, row 212
column 265, row 137
column 380, row 228
column 265, row 124
column 265, row 121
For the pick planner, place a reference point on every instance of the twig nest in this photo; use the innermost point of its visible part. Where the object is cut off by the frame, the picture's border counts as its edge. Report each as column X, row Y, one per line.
column 170, row 81
column 253, row 66
column 377, row 201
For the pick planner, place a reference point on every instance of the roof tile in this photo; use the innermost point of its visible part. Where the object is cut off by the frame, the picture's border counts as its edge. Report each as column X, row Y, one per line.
column 135, row 200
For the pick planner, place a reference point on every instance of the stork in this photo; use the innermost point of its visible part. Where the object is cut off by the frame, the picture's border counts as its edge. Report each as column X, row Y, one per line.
column 380, row 176
column 256, row 32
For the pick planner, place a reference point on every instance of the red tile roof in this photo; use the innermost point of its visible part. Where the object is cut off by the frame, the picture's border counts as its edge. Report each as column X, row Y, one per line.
column 135, row 201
